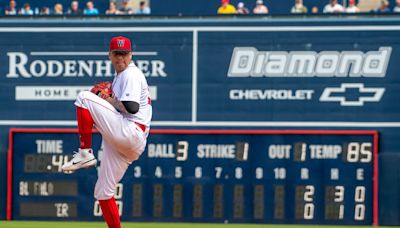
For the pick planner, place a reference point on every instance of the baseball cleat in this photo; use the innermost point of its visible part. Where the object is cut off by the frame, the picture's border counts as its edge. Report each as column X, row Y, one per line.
column 84, row 158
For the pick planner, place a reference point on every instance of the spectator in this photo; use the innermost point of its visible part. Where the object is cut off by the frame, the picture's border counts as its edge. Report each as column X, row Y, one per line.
column 125, row 9
column 143, row 9
column 384, row 8
column 226, row 8
column 314, row 10
column 58, row 9
column 333, row 7
column 90, row 9
column 74, row 9
column 352, row 8
column 241, row 9
column 396, row 9
column 112, row 9
column 26, row 10
column 44, row 10
column 260, row 8
column 11, row 9
column 298, row 7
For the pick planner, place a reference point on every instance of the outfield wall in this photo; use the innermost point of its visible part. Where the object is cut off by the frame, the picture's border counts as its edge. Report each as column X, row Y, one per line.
column 219, row 74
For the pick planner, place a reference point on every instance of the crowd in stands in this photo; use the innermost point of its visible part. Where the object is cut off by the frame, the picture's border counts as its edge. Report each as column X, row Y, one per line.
column 75, row 9
column 299, row 8
column 123, row 7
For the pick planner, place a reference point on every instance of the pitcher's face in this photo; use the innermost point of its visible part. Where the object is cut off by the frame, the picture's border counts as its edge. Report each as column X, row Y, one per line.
column 120, row 59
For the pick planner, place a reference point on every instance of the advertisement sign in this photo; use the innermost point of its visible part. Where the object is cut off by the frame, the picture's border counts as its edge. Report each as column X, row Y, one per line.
column 209, row 75
column 44, row 72
column 298, row 76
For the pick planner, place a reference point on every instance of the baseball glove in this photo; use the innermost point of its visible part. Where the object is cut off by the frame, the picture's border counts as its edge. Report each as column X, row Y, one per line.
column 102, row 89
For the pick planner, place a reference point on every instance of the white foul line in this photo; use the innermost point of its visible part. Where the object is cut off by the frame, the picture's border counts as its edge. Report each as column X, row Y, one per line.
column 248, row 124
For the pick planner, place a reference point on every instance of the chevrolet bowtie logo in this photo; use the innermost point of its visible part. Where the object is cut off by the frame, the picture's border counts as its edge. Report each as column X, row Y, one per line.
column 332, row 94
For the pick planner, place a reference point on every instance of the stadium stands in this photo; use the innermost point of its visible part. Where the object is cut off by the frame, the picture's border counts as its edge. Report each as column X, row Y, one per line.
column 193, row 8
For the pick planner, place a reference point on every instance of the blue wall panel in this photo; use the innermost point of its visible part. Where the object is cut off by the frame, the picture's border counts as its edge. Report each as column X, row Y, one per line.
column 389, row 178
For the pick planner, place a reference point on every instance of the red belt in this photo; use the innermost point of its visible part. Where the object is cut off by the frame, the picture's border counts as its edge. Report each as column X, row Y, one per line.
column 141, row 126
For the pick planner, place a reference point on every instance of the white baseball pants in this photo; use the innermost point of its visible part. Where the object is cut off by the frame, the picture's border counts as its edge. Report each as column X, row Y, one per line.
column 123, row 142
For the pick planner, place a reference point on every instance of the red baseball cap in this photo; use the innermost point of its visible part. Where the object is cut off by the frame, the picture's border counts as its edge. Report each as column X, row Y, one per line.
column 120, row 43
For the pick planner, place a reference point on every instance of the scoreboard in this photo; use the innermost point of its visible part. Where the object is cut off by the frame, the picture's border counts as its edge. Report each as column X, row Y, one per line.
column 246, row 176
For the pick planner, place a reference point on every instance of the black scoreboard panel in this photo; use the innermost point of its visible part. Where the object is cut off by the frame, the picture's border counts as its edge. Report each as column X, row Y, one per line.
column 251, row 176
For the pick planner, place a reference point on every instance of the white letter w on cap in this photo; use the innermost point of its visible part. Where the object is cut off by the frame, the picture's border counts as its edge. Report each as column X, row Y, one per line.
column 120, row 43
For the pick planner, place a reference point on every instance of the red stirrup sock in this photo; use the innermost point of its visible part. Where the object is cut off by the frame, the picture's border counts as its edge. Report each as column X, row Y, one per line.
column 110, row 213
column 85, row 125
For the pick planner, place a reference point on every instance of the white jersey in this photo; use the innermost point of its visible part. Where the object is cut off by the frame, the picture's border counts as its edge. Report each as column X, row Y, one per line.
column 352, row 9
column 333, row 9
column 131, row 85
column 123, row 140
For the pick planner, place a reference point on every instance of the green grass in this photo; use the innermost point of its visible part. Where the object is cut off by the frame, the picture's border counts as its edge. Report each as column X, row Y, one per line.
column 31, row 224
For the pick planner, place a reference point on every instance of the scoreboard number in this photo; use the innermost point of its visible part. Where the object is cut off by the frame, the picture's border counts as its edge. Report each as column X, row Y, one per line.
column 242, row 151
column 359, row 195
column 259, row 173
column 218, row 172
column 359, row 198
column 300, row 151
column 178, row 172
column 280, row 173
column 198, row 172
column 238, row 172
column 44, row 163
column 339, row 194
column 158, row 172
column 182, row 150
column 334, row 198
column 309, row 198
column 137, row 171
column 359, row 152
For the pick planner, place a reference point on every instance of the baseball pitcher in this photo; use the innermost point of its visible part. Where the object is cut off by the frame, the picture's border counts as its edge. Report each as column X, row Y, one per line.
column 122, row 112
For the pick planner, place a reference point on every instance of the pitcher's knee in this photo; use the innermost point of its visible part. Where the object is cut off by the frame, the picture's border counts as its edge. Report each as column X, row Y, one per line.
column 81, row 97
column 84, row 94
column 103, row 193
